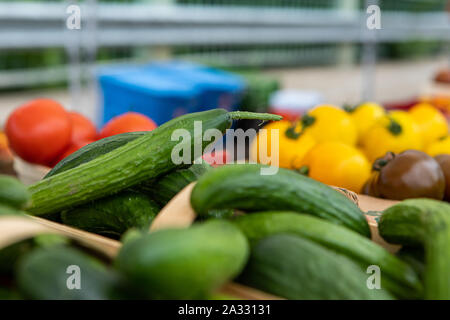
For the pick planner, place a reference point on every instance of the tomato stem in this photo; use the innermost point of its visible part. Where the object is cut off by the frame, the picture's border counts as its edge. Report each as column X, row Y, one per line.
column 394, row 127
column 307, row 121
column 381, row 162
column 291, row 133
column 304, row 170
column 349, row 108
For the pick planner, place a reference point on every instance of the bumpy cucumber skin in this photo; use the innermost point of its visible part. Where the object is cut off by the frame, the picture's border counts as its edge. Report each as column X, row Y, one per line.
column 112, row 216
column 184, row 263
column 42, row 275
column 296, row 268
column 169, row 185
column 241, row 186
column 397, row 277
column 13, row 193
column 429, row 226
column 93, row 150
column 142, row 159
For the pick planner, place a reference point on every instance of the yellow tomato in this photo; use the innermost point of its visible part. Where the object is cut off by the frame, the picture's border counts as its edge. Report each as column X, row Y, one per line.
column 330, row 123
column 431, row 121
column 365, row 116
column 440, row 146
column 338, row 164
column 289, row 149
column 395, row 132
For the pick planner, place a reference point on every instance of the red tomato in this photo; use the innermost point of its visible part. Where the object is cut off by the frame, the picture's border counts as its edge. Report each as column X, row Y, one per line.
column 82, row 127
column 74, row 146
column 39, row 131
column 221, row 157
column 127, row 122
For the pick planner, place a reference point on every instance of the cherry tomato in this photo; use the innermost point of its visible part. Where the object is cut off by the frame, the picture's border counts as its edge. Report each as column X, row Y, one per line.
column 39, row 131
column 82, row 127
column 127, row 122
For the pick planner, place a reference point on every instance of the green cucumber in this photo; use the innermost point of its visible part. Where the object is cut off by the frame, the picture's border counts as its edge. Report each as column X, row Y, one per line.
column 165, row 188
column 93, row 150
column 143, row 159
column 132, row 234
column 295, row 268
column 112, row 216
column 222, row 296
column 243, row 187
column 423, row 223
column 9, row 255
column 46, row 274
column 169, row 185
column 415, row 257
column 13, row 193
column 184, row 263
column 397, row 277
column 6, row 210
column 7, row 293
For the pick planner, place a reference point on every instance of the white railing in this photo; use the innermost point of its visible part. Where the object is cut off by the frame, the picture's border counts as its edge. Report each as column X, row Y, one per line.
column 40, row 25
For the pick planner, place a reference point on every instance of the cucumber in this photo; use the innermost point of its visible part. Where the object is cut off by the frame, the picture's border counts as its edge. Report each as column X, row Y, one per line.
column 217, row 214
column 423, row 223
column 169, row 185
column 7, row 210
column 415, row 257
column 143, row 159
column 44, row 274
column 132, row 234
column 7, row 293
column 184, row 263
column 11, row 254
column 13, row 193
column 241, row 186
column 295, row 268
column 93, row 150
column 397, row 277
column 112, row 216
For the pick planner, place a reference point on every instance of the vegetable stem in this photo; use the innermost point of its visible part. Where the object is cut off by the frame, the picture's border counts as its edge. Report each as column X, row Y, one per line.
column 237, row 115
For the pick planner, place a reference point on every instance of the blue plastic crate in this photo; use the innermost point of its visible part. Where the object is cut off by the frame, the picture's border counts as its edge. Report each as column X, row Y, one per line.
column 147, row 92
column 166, row 90
column 219, row 89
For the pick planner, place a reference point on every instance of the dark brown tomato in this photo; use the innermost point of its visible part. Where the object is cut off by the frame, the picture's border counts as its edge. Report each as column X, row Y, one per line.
column 410, row 174
column 444, row 162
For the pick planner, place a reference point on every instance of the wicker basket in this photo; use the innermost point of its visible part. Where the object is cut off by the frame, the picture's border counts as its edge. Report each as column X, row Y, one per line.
column 178, row 213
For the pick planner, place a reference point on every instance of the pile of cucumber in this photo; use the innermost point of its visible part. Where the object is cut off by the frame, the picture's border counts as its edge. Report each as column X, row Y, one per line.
column 168, row 264
column 284, row 234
